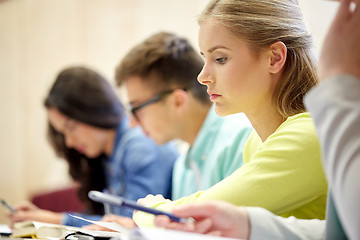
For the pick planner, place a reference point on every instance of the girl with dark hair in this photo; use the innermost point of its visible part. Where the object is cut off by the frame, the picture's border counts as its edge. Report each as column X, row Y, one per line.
column 88, row 127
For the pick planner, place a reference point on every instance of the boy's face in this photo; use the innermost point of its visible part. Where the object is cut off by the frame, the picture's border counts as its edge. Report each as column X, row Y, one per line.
column 155, row 118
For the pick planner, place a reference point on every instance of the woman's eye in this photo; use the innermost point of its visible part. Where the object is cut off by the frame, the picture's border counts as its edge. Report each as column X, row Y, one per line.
column 71, row 125
column 221, row 60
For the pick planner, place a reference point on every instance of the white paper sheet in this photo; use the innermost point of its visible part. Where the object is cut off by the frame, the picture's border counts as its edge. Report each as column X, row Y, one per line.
column 110, row 225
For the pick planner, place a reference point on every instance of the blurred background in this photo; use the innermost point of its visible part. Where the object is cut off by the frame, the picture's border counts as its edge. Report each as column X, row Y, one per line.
column 38, row 38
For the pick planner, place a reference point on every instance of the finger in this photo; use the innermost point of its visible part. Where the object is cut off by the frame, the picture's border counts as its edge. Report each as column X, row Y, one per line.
column 357, row 12
column 18, row 217
column 145, row 201
column 342, row 15
column 23, row 206
column 162, row 221
column 165, row 222
column 195, row 210
column 215, row 233
column 140, row 200
column 178, row 226
column 343, row 12
column 181, row 226
column 203, row 226
column 133, row 214
column 10, row 214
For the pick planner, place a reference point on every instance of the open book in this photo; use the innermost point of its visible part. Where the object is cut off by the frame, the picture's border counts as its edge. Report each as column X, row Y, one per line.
column 153, row 233
column 40, row 230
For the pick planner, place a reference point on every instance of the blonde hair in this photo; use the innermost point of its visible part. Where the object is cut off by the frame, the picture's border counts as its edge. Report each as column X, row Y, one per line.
column 262, row 23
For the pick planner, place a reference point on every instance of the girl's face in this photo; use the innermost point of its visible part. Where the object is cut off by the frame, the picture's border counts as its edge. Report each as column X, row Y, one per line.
column 82, row 137
column 237, row 79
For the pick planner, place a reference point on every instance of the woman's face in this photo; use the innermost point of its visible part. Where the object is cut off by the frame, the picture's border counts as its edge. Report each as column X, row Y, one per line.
column 82, row 137
column 237, row 79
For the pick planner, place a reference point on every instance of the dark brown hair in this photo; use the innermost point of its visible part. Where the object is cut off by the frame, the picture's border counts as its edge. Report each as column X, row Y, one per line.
column 84, row 95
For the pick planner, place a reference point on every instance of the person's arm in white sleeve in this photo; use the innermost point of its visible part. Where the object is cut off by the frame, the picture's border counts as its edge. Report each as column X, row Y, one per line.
column 335, row 107
column 227, row 220
column 266, row 225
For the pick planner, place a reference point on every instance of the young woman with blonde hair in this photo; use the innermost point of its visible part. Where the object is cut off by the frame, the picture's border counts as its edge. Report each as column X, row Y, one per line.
column 258, row 60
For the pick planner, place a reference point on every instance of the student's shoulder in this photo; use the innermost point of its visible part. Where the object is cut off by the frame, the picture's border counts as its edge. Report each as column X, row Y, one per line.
column 301, row 122
column 135, row 134
column 134, row 139
column 298, row 129
column 138, row 139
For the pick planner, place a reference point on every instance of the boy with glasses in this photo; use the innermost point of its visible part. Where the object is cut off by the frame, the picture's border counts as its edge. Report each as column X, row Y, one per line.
column 160, row 76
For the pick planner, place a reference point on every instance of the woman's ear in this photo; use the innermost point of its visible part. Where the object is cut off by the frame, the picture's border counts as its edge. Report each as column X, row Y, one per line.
column 278, row 53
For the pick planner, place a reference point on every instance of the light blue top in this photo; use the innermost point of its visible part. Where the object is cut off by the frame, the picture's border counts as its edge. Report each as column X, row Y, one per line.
column 216, row 153
column 136, row 168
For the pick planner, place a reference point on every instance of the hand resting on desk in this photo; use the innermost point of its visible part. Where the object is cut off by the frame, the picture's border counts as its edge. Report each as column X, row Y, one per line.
column 26, row 211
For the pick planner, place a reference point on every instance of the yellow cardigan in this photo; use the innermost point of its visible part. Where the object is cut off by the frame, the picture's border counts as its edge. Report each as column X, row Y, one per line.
column 284, row 174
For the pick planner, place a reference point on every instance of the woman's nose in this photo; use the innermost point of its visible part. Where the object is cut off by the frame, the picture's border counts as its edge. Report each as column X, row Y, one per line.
column 69, row 141
column 204, row 77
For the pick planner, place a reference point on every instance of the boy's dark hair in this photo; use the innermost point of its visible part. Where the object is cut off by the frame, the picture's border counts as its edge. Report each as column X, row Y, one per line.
column 170, row 58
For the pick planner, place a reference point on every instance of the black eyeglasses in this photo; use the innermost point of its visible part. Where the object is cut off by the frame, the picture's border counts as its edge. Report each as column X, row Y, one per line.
column 154, row 99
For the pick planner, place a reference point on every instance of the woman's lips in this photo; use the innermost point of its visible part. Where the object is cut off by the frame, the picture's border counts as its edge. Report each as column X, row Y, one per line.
column 213, row 96
column 81, row 150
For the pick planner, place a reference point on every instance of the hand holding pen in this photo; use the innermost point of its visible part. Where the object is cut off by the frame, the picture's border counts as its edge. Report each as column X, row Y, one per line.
column 7, row 206
column 122, row 202
column 27, row 211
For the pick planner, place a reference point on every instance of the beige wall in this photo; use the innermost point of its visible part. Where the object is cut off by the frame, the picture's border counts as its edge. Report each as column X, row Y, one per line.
column 39, row 37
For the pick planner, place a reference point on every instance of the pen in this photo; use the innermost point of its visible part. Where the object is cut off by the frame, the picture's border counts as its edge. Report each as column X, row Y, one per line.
column 119, row 201
column 5, row 204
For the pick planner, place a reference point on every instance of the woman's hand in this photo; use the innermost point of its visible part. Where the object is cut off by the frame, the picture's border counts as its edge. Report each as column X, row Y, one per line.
column 26, row 211
column 340, row 52
column 214, row 218
column 151, row 199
